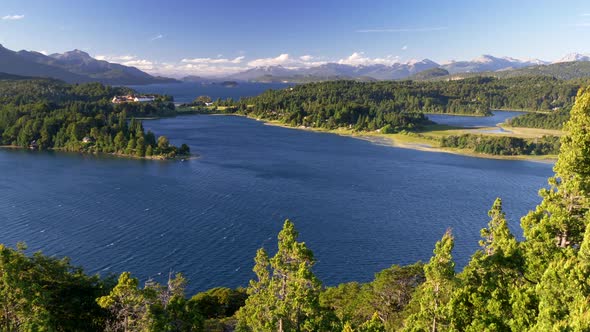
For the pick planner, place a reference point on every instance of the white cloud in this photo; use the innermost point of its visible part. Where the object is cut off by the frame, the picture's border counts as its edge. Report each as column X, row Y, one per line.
column 404, row 48
column 156, row 37
column 218, row 60
column 141, row 64
column 279, row 60
column 129, row 60
column 44, row 52
column 287, row 61
column 115, row 58
column 13, row 17
column 221, row 66
column 199, row 69
column 404, row 29
column 359, row 58
column 195, row 66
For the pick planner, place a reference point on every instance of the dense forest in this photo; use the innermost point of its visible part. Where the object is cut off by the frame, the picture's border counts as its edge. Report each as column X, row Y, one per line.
column 503, row 145
column 552, row 120
column 401, row 105
column 49, row 114
column 539, row 283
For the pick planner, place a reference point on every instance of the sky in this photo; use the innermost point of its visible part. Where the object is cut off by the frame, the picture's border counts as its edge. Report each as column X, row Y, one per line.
column 177, row 38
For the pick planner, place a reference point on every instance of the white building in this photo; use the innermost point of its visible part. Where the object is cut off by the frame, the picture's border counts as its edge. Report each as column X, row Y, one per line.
column 132, row 99
column 143, row 99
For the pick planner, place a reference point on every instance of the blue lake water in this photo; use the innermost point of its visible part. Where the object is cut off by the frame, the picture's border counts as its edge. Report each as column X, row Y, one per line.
column 186, row 92
column 360, row 207
column 474, row 121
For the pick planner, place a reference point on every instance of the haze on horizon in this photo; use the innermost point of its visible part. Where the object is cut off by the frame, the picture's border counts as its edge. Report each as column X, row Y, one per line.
column 211, row 38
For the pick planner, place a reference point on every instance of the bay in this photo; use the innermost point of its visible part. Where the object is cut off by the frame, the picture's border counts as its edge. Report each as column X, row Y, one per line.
column 359, row 206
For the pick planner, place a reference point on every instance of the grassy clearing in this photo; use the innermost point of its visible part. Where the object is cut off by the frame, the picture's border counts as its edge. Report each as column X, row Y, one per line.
column 531, row 132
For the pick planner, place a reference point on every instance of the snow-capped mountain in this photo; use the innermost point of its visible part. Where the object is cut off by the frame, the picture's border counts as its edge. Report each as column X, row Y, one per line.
column 488, row 63
column 338, row 70
column 574, row 57
column 258, row 72
column 396, row 71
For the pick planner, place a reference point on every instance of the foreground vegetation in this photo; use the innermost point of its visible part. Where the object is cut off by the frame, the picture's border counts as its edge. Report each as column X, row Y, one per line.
column 537, row 284
column 48, row 114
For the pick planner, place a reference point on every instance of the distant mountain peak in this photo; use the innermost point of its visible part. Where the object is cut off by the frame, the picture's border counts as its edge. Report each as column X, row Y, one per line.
column 74, row 66
column 414, row 62
column 574, row 57
column 74, row 54
column 537, row 61
column 485, row 58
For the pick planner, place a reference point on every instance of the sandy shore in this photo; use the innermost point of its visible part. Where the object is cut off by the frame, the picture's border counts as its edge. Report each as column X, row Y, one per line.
column 414, row 143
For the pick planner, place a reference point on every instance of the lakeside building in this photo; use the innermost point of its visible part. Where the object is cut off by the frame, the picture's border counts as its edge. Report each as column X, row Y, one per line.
column 132, row 99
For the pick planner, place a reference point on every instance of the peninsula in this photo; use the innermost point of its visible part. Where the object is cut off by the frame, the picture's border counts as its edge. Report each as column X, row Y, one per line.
column 46, row 114
column 397, row 113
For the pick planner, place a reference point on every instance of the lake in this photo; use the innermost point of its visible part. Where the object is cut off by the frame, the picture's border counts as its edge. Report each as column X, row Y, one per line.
column 474, row 121
column 186, row 92
column 360, row 207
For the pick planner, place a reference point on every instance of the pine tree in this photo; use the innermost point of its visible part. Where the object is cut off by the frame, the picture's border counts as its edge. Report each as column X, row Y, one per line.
column 559, row 221
column 286, row 295
column 373, row 325
column 127, row 304
column 434, row 294
column 564, row 291
column 140, row 147
column 23, row 299
column 483, row 300
column 392, row 290
column 347, row 328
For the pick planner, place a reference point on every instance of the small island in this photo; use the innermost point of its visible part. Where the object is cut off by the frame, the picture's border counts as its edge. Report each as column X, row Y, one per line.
column 229, row 84
column 45, row 114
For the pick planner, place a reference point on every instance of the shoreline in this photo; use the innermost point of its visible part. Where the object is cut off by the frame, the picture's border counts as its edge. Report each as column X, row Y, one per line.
column 484, row 115
column 458, row 114
column 192, row 156
column 403, row 141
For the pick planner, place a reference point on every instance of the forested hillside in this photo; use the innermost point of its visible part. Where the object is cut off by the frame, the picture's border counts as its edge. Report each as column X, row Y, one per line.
column 552, row 120
column 539, row 283
column 49, row 114
column 400, row 105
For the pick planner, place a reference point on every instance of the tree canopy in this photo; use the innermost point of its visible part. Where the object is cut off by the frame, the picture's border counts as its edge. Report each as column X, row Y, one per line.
column 47, row 114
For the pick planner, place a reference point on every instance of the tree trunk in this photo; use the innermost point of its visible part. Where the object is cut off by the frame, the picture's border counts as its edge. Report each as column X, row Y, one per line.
column 435, row 308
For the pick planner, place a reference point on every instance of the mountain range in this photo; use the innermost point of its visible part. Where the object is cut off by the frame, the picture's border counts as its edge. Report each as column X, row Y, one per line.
column 331, row 71
column 73, row 67
column 79, row 67
column 414, row 69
